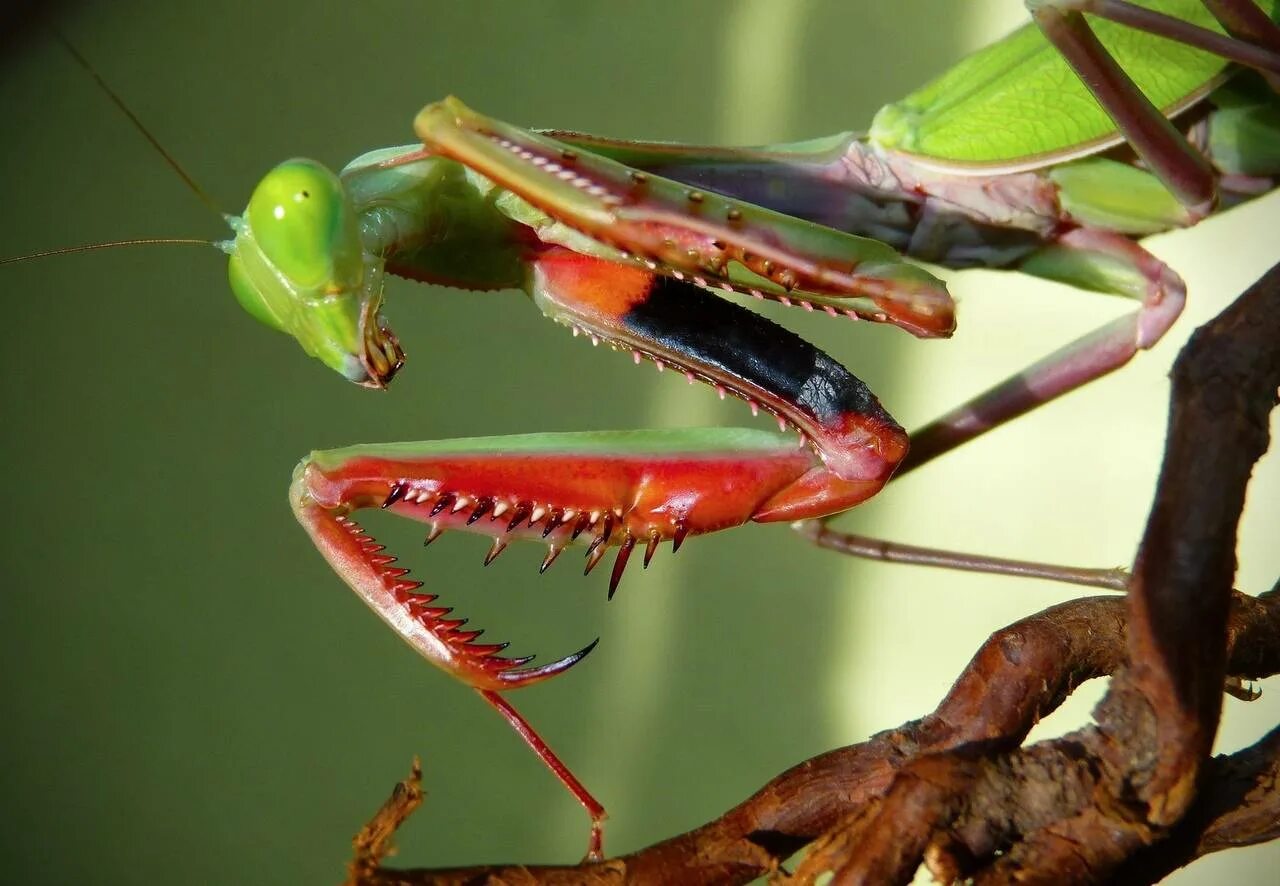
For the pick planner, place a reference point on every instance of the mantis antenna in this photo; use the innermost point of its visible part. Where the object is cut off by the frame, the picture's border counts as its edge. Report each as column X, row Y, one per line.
column 90, row 247
column 137, row 123
column 155, row 143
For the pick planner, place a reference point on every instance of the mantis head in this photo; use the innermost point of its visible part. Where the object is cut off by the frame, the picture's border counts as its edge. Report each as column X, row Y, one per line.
column 297, row 265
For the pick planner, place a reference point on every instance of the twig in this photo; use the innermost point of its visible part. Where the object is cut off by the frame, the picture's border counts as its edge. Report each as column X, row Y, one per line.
column 373, row 843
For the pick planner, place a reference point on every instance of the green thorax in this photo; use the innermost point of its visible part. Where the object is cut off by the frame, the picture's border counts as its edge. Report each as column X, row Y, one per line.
column 434, row 220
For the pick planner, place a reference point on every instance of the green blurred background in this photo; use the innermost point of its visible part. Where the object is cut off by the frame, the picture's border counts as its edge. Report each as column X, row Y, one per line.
column 190, row 695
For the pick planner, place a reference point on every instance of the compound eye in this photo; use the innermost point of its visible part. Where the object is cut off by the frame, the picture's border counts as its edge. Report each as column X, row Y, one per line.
column 299, row 219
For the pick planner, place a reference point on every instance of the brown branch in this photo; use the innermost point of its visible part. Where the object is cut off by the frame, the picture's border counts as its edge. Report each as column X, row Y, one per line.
column 1131, row 798
column 373, row 843
column 1019, row 675
column 1240, row 806
column 1224, row 388
column 1075, row 809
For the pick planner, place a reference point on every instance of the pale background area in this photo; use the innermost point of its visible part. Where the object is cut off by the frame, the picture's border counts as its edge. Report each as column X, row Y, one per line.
column 189, row 695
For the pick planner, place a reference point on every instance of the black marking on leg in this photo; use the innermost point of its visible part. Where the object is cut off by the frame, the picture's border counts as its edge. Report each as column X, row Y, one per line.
column 740, row 344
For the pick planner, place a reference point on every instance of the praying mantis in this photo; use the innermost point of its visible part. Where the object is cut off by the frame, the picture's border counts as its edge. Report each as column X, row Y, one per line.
column 784, row 319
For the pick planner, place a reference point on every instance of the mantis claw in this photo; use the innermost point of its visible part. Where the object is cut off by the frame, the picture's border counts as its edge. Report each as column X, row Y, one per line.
column 677, row 539
column 516, row 677
column 553, row 551
column 483, row 506
column 523, row 510
column 595, row 545
column 620, row 564
column 499, row 545
column 651, row 547
column 397, row 493
column 364, row 564
column 594, row 556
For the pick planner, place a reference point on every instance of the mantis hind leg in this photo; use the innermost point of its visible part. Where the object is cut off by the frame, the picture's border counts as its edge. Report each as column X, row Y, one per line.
column 1113, row 201
column 1238, row 149
column 818, row 532
column 1254, row 41
column 1087, row 257
column 1094, row 259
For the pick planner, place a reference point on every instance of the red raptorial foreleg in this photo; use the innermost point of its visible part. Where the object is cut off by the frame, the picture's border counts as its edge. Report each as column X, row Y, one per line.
column 595, row 490
column 603, row 490
column 598, row 490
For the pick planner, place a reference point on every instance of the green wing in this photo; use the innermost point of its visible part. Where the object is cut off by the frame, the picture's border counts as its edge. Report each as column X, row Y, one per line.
column 1017, row 101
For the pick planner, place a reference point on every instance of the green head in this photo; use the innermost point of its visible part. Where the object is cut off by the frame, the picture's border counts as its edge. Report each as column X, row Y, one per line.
column 298, row 266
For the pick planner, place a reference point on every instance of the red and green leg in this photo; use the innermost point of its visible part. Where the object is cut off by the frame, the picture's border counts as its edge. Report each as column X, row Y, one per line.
column 603, row 492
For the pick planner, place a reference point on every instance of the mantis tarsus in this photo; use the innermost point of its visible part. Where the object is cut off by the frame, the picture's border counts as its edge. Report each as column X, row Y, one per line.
column 515, row 505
